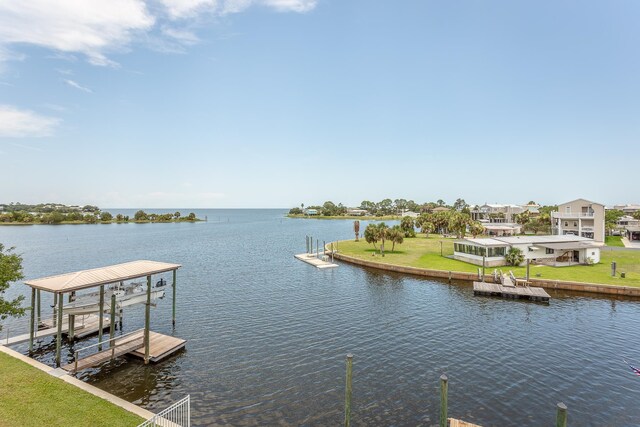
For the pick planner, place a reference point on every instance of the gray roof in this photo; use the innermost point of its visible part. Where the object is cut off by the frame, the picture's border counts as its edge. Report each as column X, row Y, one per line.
column 529, row 240
column 569, row 245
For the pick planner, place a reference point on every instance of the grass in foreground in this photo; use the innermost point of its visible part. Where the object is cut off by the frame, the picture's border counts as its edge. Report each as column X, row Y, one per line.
column 425, row 253
column 30, row 397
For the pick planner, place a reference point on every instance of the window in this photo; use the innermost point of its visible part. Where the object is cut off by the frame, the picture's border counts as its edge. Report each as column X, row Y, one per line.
column 567, row 209
column 566, row 224
column 549, row 251
column 575, row 224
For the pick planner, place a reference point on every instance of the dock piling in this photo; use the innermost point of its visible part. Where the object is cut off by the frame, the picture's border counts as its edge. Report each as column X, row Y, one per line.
column 72, row 320
column 147, row 314
column 59, row 334
column 32, row 324
column 561, row 417
column 443, row 399
column 39, row 312
column 100, row 318
column 173, row 319
column 112, row 323
column 347, row 391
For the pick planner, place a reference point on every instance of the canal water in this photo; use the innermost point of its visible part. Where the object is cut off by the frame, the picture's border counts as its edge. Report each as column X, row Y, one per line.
column 267, row 334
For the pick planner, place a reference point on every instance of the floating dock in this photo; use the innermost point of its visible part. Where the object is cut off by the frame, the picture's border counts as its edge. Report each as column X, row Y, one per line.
column 514, row 292
column 313, row 259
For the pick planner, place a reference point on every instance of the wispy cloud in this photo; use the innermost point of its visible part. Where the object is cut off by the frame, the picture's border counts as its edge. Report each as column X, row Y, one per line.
column 77, row 86
column 97, row 28
column 17, row 123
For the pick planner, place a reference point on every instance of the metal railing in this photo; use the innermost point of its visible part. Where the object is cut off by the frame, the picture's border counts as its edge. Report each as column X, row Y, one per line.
column 176, row 415
column 572, row 214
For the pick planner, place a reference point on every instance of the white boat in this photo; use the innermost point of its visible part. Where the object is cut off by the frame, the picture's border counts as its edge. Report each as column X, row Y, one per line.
column 127, row 295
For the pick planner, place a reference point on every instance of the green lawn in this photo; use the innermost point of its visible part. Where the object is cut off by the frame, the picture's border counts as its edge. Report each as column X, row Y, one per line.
column 30, row 397
column 613, row 241
column 425, row 253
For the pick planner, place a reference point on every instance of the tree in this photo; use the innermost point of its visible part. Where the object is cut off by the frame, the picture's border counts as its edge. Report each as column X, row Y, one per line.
column 140, row 216
column 191, row 216
column 371, row 235
column 407, row 226
column 176, row 215
column 611, row 217
column 396, row 235
column 382, row 233
column 636, row 215
column 523, row 218
column 427, row 227
column 476, row 228
column 106, row 217
column 295, row 211
column 514, row 257
column 458, row 223
column 460, row 204
column 440, row 202
column 10, row 271
column 356, row 228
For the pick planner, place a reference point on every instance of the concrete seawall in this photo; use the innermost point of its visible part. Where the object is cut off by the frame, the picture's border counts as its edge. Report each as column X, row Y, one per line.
column 459, row 275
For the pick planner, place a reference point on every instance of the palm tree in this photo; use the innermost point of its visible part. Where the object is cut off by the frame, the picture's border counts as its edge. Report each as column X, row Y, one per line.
column 382, row 235
column 475, row 228
column 427, row 227
column 514, row 257
column 396, row 235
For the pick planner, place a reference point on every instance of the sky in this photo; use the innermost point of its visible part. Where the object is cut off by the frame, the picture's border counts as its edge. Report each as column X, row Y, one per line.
column 274, row 103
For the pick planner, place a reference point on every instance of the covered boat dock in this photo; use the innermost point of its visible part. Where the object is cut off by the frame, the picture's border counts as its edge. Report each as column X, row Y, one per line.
column 70, row 283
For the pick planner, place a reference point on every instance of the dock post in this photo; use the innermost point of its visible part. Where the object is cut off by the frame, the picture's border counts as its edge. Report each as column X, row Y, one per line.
column 310, row 244
column 113, row 319
column 443, row 400
column 147, row 313
column 306, row 242
column 120, row 311
column 39, row 312
column 483, row 265
column 55, row 304
column 347, row 391
column 324, row 247
column 59, row 335
column 331, row 252
column 317, row 248
column 72, row 319
column 528, row 270
column 173, row 318
column 100, row 317
column 33, row 315
column 561, row 417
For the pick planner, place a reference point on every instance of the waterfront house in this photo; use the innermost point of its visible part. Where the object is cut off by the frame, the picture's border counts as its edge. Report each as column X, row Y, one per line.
column 581, row 218
column 357, row 212
column 554, row 250
column 628, row 209
column 311, row 211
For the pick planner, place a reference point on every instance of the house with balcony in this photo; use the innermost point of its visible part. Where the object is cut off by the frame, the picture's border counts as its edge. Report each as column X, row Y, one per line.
column 581, row 218
column 496, row 213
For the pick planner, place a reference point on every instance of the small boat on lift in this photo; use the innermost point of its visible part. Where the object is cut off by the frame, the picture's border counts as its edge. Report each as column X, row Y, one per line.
column 126, row 295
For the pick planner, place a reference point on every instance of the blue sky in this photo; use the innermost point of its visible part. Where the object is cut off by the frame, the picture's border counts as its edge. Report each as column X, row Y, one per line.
column 273, row 103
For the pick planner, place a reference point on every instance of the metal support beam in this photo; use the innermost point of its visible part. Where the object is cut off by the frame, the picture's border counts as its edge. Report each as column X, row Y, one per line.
column 59, row 335
column 112, row 329
column 147, row 313
column 33, row 314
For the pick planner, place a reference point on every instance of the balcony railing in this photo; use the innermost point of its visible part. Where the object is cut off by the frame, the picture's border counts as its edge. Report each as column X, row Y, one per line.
column 572, row 215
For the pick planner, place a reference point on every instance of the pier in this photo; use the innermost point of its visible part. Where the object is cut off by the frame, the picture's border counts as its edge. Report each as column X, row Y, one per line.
column 313, row 259
column 144, row 343
column 511, row 287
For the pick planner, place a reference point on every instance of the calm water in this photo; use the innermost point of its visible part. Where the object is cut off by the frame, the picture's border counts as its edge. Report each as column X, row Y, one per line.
column 267, row 334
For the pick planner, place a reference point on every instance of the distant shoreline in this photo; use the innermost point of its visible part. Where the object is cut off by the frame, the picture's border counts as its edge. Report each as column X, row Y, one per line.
column 364, row 218
column 99, row 222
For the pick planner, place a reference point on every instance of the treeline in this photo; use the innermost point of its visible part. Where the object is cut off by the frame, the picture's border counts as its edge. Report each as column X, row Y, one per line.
column 48, row 208
column 384, row 207
column 93, row 217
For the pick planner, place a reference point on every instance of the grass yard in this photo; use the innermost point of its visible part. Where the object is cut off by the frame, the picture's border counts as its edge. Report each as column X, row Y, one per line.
column 613, row 241
column 30, row 397
column 425, row 253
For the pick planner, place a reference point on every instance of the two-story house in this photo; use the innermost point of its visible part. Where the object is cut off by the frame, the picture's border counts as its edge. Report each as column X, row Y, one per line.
column 579, row 217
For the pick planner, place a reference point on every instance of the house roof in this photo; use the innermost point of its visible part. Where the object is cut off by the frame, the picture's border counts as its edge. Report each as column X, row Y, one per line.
column 569, row 245
column 583, row 200
column 482, row 242
column 84, row 279
column 531, row 240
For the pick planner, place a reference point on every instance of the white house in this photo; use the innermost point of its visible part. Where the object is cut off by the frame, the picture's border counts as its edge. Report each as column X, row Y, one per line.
column 555, row 250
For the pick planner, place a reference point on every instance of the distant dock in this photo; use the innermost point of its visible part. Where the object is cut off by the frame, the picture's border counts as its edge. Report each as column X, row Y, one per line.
column 510, row 289
column 322, row 262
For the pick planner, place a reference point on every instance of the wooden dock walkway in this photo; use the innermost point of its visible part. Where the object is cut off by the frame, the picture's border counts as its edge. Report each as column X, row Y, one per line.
column 509, row 290
column 83, row 327
column 315, row 261
column 160, row 346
